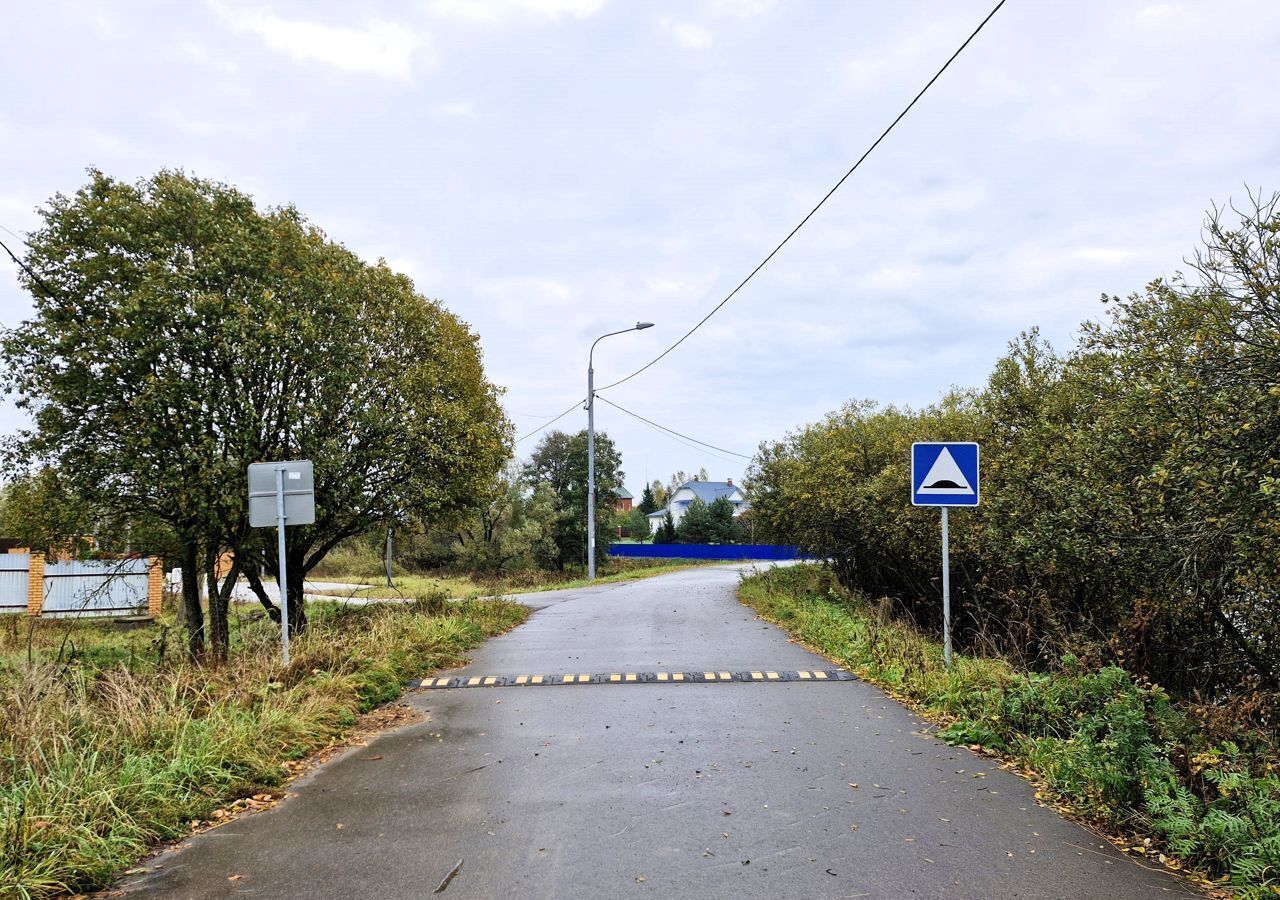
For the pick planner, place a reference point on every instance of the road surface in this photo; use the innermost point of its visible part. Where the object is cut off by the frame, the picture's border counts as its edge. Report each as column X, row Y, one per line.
column 654, row 789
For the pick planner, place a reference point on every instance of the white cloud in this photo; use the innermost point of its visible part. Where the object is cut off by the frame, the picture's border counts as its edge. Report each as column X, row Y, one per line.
column 740, row 9
column 1156, row 14
column 1106, row 255
column 454, row 109
column 378, row 48
column 668, row 286
column 492, row 11
column 521, row 289
column 688, row 35
column 193, row 52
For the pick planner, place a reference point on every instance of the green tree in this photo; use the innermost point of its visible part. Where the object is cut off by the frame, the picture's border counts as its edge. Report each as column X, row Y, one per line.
column 560, row 461
column 666, row 533
column 184, row 334
column 695, row 525
column 638, row 525
column 513, row 531
column 648, row 503
column 42, row 513
column 1131, row 488
column 660, row 494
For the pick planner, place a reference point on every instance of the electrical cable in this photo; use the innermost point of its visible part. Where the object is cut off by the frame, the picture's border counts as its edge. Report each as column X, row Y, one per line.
column 530, row 434
column 715, row 309
column 34, row 277
column 672, row 431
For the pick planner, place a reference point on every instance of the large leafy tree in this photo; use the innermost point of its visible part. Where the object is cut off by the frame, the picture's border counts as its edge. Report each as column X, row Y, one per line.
column 181, row 333
column 512, row 529
column 1131, row 487
column 560, row 461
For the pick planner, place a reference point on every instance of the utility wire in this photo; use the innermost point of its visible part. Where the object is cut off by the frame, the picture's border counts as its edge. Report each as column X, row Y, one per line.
column 34, row 277
column 673, row 431
column 530, row 434
column 715, row 309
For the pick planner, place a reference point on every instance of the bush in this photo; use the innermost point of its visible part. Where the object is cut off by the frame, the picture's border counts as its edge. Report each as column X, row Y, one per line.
column 1131, row 489
column 1111, row 745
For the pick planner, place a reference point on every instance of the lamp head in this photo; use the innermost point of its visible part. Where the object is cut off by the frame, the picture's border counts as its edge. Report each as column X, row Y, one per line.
column 640, row 326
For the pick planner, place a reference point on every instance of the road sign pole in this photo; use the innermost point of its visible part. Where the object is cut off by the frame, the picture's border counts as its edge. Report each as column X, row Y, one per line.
column 284, row 572
column 946, row 591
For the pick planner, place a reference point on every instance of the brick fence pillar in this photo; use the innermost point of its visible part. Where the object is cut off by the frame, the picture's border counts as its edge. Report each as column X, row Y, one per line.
column 155, row 585
column 35, row 584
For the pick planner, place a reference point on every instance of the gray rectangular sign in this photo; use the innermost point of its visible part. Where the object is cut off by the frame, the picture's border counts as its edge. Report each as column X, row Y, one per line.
column 299, row 493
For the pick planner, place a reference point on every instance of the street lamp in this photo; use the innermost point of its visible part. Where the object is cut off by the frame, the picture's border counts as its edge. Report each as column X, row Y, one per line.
column 591, row 448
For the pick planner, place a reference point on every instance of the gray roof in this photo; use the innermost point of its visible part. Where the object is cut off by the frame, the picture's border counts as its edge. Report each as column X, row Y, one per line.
column 710, row 491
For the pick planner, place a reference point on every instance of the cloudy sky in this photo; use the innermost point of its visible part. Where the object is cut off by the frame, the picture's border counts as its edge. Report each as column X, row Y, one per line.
column 555, row 169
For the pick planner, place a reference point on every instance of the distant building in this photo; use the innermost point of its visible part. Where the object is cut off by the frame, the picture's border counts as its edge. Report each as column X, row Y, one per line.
column 707, row 492
column 623, row 502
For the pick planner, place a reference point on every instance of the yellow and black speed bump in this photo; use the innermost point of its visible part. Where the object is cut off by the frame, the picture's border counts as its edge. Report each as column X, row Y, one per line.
column 717, row 676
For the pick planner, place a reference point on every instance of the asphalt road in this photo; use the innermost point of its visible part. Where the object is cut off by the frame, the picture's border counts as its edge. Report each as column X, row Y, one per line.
column 734, row 790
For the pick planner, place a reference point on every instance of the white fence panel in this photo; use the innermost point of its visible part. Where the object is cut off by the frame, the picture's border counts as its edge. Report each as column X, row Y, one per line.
column 14, row 578
column 110, row 587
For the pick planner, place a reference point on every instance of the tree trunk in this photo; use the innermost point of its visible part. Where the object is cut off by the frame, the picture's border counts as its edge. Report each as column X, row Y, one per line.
column 219, row 627
column 255, row 584
column 191, row 600
column 297, row 605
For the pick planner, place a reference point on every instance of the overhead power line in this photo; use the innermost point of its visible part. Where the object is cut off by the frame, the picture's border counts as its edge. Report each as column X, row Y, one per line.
column 672, row 431
column 715, row 309
column 530, row 434
column 34, row 277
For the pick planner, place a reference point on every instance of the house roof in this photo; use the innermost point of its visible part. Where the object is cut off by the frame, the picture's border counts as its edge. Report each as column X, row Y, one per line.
column 623, row 494
column 710, row 491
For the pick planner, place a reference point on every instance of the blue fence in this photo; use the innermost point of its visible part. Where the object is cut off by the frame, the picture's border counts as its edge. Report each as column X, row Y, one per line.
column 707, row 551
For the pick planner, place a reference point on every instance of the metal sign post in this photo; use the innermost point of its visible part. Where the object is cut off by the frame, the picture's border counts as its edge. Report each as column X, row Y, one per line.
column 282, row 494
column 283, row 580
column 946, row 591
column 945, row 475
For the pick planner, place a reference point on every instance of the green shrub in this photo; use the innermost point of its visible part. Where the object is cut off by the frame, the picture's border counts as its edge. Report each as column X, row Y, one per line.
column 1111, row 746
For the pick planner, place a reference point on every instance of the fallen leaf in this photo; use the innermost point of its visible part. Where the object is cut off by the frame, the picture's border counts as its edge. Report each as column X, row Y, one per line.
column 373, row 758
column 234, row 877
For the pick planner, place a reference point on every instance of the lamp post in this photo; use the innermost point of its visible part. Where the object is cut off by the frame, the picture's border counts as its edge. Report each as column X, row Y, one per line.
column 591, row 447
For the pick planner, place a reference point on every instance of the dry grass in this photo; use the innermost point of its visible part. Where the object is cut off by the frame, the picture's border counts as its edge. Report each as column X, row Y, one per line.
column 108, row 749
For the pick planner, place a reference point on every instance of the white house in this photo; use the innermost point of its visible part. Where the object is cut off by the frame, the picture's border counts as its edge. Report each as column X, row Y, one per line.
column 707, row 491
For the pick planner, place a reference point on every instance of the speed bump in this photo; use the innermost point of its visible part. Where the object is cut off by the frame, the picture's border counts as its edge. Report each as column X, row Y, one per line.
column 706, row 676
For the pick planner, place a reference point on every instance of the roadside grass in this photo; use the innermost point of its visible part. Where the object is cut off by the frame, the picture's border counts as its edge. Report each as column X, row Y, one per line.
column 112, row 748
column 461, row 586
column 1103, row 745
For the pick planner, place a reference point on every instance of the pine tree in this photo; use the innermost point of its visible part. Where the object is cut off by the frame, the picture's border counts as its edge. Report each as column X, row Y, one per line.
column 666, row 531
column 648, row 504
